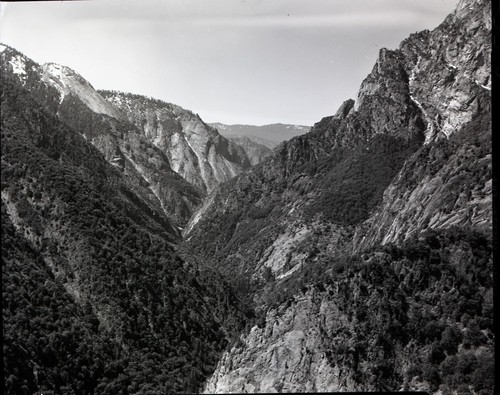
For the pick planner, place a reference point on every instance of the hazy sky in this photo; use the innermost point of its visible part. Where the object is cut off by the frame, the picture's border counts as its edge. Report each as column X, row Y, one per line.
column 231, row 61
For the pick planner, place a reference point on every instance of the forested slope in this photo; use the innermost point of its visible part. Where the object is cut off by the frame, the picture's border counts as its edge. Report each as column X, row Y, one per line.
column 96, row 300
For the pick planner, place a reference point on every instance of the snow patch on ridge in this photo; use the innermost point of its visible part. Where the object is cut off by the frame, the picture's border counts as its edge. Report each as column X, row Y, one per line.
column 18, row 64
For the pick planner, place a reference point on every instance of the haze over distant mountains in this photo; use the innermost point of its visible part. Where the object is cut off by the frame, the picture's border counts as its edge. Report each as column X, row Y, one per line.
column 275, row 133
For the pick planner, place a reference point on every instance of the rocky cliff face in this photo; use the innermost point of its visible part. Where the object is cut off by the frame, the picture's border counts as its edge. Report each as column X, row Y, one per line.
column 68, row 82
column 285, row 356
column 73, row 99
column 411, row 154
column 388, row 320
column 447, row 183
column 352, row 162
column 195, row 150
column 450, row 183
column 450, row 67
column 333, row 175
column 255, row 149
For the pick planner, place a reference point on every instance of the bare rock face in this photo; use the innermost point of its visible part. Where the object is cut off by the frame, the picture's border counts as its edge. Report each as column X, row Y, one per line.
column 305, row 177
column 73, row 99
column 69, row 82
column 255, row 149
column 361, row 328
column 195, row 150
column 433, row 94
column 450, row 183
column 408, row 97
column 285, row 355
column 132, row 153
column 450, row 66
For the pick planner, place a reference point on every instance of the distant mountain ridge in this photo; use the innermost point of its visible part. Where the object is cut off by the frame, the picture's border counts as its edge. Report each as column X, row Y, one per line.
column 277, row 132
column 257, row 140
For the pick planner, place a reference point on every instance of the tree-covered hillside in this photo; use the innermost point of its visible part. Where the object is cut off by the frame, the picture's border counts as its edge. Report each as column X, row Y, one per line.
column 392, row 318
column 96, row 300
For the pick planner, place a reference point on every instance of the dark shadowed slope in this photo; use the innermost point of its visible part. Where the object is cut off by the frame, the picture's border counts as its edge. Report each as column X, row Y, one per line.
column 95, row 299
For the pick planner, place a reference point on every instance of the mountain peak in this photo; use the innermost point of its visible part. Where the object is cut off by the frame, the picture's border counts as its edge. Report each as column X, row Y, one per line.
column 195, row 150
column 69, row 82
column 17, row 62
column 59, row 70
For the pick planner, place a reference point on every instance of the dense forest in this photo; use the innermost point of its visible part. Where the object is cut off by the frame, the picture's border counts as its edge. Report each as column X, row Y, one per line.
column 90, row 276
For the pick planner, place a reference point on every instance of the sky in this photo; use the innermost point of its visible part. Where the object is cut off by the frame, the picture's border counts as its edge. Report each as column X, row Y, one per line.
column 231, row 61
